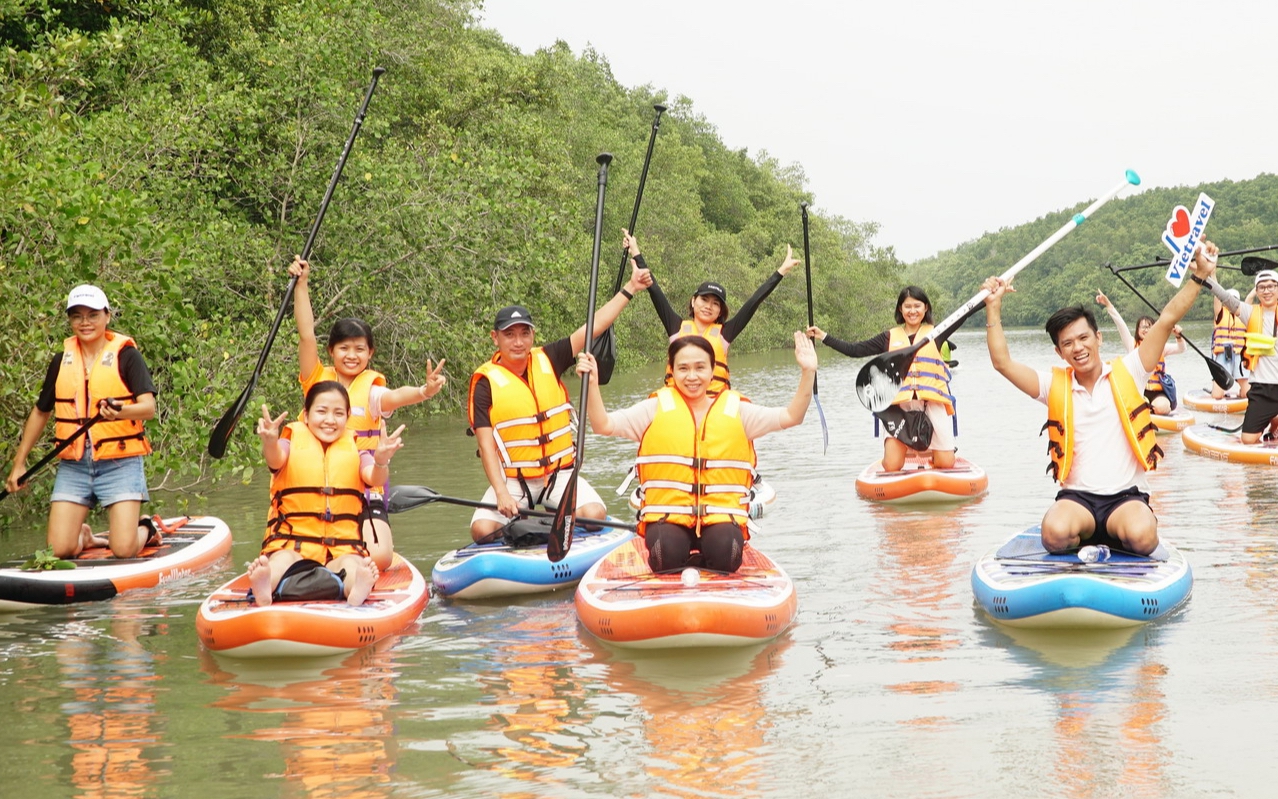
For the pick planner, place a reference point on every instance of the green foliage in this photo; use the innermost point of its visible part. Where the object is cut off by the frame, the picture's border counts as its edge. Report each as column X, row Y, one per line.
column 44, row 560
column 1125, row 232
column 175, row 153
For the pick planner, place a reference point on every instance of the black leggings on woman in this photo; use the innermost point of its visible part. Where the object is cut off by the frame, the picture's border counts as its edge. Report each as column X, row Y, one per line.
column 671, row 545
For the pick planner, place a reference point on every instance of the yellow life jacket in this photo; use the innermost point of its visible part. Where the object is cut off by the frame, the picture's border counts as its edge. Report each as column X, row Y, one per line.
column 1255, row 324
column 532, row 421
column 360, row 421
column 1155, row 383
column 317, row 498
column 1229, row 330
column 694, row 475
column 76, row 400
column 929, row 376
column 1133, row 413
column 721, row 380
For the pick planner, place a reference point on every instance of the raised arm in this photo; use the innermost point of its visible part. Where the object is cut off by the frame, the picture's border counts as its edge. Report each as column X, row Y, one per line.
column 1124, row 333
column 307, row 345
column 1151, row 348
column 599, row 421
column 733, row 327
column 639, row 280
column 805, row 354
column 1018, row 374
column 408, row 395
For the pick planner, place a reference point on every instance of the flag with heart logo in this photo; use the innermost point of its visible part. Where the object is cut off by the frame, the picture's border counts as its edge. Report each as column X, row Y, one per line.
column 1184, row 231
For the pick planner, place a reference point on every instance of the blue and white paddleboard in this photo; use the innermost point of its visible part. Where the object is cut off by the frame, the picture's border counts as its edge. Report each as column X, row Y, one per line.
column 482, row 571
column 1021, row 585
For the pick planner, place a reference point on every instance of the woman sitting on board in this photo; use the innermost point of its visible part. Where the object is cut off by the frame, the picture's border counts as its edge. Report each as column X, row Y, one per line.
column 925, row 392
column 1155, row 390
column 318, row 502
column 350, row 348
column 708, row 312
column 696, row 454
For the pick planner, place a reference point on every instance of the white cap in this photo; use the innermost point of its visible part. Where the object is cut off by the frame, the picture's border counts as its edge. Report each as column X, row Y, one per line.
column 1233, row 293
column 1266, row 274
column 90, row 297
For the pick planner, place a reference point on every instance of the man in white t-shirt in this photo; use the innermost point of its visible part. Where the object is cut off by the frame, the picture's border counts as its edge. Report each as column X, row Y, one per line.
column 1101, row 439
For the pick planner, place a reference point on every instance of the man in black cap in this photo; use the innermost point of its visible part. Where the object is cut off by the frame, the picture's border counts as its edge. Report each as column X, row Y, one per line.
column 523, row 420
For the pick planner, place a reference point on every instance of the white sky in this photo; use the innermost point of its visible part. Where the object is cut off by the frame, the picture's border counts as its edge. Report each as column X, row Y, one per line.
column 943, row 120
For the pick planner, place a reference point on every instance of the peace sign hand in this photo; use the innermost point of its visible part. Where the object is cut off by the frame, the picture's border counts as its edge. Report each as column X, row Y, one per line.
column 267, row 428
column 387, row 445
column 435, row 379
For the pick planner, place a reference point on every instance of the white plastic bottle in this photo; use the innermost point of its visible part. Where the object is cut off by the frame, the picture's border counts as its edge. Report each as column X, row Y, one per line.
column 1093, row 554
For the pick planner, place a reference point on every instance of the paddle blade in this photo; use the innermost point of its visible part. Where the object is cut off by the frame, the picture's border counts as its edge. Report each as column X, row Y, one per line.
column 564, row 522
column 1220, row 375
column 226, row 425
column 1253, row 265
column 402, row 498
column 879, row 381
column 604, row 348
column 825, row 429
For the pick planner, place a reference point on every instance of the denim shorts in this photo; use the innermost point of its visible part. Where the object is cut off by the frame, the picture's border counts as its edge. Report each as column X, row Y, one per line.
column 107, row 482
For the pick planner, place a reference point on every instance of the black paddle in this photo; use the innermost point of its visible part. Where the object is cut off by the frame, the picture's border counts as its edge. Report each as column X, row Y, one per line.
column 565, row 515
column 1219, row 374
column 226, row 425
column 402, row 498
column 1253, row 265
column 1250, row 266
column 68, row 441
column 879, row 381
column 604, row 348
column 807, row 268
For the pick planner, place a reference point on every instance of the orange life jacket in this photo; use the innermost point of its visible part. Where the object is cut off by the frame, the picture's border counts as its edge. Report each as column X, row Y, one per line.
column 1155, row 382
column 532, row 421
column 694, row 475
column 1133, row 413
column 76, row 400
column 360, row 421
column 1255, row 324
column 721, row 380
column 317, row 498
column 929, row 375
column 1229, row 330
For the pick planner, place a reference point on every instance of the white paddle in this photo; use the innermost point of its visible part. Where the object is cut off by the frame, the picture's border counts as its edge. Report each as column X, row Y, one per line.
column 879, row 381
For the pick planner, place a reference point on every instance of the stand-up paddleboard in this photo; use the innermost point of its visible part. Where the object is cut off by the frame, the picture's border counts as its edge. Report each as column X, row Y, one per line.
column 762, row 496
column 622, row 602
column 482, row 571
column 1173, row 422
column 229, row 623
column 1201, row 400
column 191, row 545
column 1022, row 585
column 919, row 482
column 1212, row 443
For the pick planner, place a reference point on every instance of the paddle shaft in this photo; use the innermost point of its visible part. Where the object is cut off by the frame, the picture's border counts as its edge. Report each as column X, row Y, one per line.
column 541, row 514
column 222, row 433
column 643, row 179
column 1165, row 261
column 40, row 464
column 807, row 271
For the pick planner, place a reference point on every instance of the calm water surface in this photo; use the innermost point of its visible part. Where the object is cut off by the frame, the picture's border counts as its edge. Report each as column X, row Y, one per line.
column 891, row 683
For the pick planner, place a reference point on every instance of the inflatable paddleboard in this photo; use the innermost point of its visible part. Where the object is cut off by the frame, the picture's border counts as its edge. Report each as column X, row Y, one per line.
column 1019, row 584
column 231, row 624
column 1201, row 400
column 919, row 482
column 482, row 571
column 1173, row 422
column 1207, row 440
column 622, row 602
column 193, row 544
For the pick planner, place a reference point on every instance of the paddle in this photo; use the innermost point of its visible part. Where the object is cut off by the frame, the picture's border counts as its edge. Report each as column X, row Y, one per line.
column 226, row 425
column 403, row 498
column 564, row 523
column 1219, row 374
column 604, row 348
column 1250, row 266
column 68, row 441
column 879, row 381
column 807, row 268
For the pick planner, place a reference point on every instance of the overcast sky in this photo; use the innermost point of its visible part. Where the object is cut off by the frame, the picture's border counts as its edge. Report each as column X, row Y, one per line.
column 944, row 119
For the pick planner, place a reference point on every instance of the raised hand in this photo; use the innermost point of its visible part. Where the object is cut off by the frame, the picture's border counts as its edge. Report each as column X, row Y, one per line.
column 387, row 445
column 804, row 352
column 300, row 269
column 790, row 261
column 435, row 379
column 267, row 428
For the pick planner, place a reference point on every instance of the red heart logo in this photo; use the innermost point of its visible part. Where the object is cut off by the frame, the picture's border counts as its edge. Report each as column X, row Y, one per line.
column 1180, row 223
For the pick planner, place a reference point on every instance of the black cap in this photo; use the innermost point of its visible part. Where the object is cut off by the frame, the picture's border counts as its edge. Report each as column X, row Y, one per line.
column 513, row 315
column 709, row 289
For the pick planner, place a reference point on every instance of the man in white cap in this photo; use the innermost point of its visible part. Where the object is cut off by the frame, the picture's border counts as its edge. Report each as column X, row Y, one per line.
column 522, row 418
column 1227, row 340
column 1258, row 353
column 99, row 377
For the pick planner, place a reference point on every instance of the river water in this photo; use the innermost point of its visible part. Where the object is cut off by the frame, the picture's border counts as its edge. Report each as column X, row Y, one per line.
column 890, row 683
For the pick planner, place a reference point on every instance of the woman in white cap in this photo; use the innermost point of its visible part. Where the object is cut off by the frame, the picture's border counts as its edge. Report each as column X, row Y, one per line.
column 1227, row 340
column 1155, row 388
column 98, row 373
column 708, row 312
column 1258, row 353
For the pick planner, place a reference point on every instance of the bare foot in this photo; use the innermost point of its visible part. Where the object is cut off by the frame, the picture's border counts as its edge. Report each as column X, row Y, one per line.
column 88, row 540
column 362, row 582
column 259, row 572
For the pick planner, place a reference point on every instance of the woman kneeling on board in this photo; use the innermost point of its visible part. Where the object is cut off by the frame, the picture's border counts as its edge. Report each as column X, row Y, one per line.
column 314, row 548
column 696, row 454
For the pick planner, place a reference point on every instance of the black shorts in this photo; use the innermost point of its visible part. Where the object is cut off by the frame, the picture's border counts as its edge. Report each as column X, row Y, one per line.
column 1102, row 506
column 1262, row 407
column 1151, row 394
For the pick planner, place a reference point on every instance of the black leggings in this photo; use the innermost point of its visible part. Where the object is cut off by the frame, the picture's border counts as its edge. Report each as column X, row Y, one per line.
column 671, row 545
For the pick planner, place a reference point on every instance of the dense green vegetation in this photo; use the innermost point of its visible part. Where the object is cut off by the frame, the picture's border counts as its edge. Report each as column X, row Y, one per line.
column 1126, row 232
column 175, row 152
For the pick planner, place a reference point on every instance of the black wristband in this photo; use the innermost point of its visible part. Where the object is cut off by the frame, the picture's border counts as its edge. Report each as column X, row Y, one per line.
column 630, row 296
column 1198, row 280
